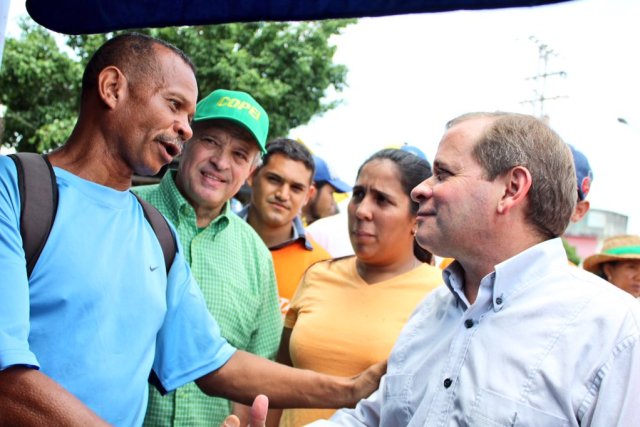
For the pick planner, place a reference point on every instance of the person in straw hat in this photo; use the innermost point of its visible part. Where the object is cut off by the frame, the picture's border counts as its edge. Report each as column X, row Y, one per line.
column 619, row 263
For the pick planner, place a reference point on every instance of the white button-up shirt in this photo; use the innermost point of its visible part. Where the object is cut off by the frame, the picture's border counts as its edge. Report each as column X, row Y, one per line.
column 544, row 344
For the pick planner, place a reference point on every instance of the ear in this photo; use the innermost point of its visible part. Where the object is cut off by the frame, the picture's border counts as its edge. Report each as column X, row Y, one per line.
column 517, row 183
column 252, row 170
column 580, row 211
column 606, row 269
column 112, row 86
column 310, row 194
column 413, row 220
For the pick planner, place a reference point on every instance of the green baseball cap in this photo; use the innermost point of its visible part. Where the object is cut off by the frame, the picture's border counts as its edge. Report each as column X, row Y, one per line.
column 239, row 107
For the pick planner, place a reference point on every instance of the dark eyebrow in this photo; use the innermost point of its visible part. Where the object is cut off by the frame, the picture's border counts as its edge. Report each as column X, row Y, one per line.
column 375, row 192
column 298, row 184
column 387, row 196
column 269, row 174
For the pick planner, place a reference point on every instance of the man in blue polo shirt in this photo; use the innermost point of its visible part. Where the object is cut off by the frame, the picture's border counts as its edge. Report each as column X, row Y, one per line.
column 80, row 336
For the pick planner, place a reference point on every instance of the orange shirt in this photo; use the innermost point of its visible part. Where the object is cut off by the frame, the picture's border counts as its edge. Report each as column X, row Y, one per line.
column 341, row 324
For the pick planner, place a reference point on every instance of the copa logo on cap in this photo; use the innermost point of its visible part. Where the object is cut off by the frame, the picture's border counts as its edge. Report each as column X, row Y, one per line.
column 238, row 107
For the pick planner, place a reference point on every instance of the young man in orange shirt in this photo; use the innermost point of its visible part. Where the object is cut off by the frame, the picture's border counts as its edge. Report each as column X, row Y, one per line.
column 280, row 187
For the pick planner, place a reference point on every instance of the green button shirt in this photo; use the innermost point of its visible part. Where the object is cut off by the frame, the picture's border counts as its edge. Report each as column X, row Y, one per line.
column 235, row 272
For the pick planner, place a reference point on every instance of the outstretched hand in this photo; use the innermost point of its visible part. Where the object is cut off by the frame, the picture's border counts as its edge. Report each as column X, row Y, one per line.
column 368, row 381
column 258, row 416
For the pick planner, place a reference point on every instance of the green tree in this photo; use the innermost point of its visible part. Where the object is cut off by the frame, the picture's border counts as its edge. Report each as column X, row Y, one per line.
column 39, row 85
column 287, row 67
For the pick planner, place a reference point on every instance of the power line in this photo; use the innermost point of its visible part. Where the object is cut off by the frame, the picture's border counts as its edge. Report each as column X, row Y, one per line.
column 545, row 52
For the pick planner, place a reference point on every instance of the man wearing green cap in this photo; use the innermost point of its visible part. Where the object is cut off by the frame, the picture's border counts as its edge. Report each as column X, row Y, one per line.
column 103, row 307
column 228, row 259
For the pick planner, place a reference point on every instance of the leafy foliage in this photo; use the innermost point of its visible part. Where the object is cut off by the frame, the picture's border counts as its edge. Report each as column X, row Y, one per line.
column 287, row 67
column 571, row 251
column 40, row 86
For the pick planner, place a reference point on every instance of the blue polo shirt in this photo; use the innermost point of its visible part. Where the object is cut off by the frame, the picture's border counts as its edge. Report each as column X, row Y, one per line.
column 100, row 311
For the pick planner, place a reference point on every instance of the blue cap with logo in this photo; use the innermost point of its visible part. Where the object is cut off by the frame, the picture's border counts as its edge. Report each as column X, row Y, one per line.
column 584, row 174
column 324, row 174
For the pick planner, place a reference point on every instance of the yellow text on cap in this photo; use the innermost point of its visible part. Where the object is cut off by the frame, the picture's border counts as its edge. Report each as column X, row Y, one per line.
column 226, row 101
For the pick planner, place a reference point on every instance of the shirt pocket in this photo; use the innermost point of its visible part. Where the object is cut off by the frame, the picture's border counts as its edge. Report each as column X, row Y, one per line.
column 396, row 395
column 494, row 410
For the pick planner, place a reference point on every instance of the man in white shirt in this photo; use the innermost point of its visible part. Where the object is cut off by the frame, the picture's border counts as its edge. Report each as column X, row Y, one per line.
column 517, row 336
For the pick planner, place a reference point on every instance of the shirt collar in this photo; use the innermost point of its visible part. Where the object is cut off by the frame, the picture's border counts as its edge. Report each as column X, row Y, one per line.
column 511, row 276
column 297, row 234
column 173, row 199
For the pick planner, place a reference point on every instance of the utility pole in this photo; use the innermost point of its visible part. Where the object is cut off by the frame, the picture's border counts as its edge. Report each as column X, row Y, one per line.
column 540, row 79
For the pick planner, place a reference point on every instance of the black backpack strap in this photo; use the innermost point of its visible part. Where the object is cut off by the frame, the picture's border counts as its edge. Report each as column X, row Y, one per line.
column 38, row 203
column 169, row 247
column 163, row 231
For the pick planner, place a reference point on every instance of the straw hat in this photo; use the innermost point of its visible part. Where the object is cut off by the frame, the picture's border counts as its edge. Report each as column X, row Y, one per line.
column 616, row 248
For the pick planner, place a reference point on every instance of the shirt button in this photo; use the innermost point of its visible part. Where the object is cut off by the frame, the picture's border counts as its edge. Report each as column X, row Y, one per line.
column 468, row 323
column 499, row 300
column 447, row 383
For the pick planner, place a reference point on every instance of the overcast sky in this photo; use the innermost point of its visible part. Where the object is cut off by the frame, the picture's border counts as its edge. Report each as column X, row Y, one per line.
column 409, row 74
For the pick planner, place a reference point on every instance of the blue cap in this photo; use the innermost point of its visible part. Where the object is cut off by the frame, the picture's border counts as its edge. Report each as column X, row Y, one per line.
column 584, row 174
column 414, row 150
column 324, row 174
